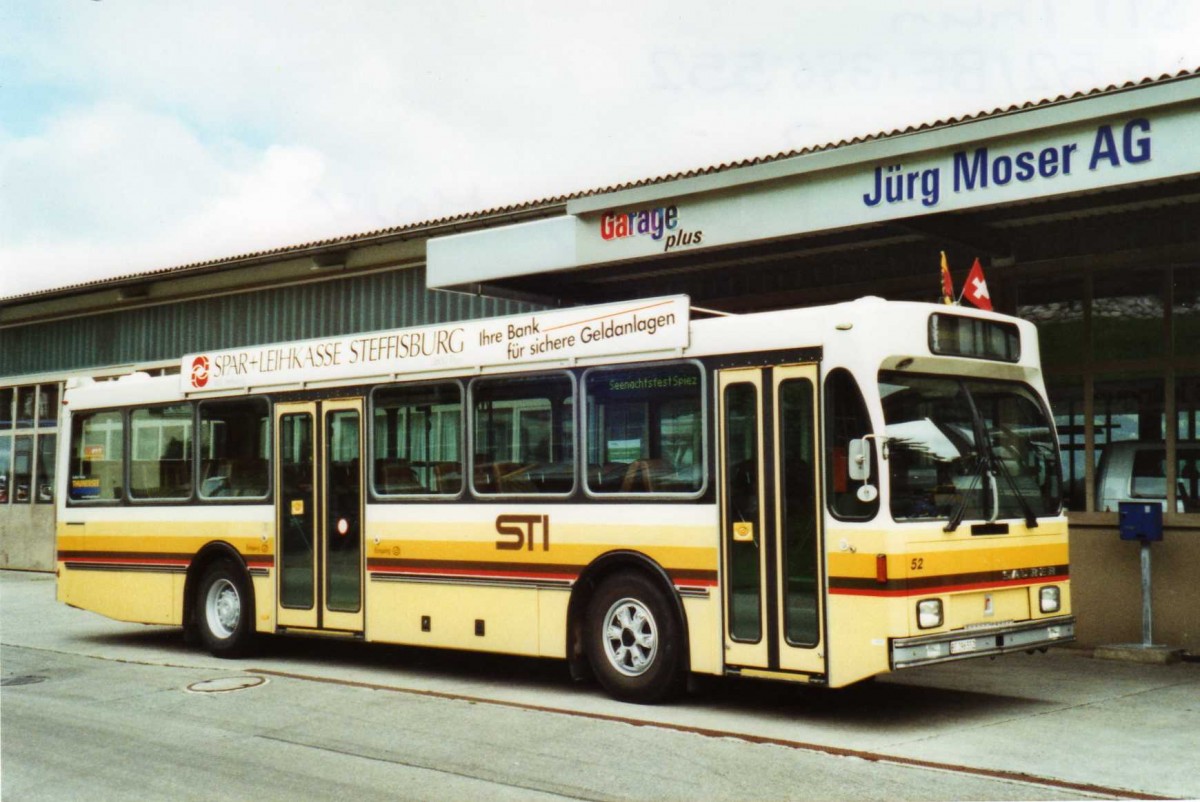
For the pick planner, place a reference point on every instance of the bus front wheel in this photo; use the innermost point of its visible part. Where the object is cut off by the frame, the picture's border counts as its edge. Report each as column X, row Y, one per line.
column 635, row 640
column 225, row 610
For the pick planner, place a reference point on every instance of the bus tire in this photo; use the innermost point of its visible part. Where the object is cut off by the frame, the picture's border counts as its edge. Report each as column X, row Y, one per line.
column 225, row 610
column 635, row 640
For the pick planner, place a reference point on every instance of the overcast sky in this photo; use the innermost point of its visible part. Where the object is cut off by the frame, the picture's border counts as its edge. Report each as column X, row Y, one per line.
column 142, row 135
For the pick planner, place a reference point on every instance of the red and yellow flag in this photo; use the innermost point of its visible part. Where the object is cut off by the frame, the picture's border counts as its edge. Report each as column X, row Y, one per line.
column 947, row 283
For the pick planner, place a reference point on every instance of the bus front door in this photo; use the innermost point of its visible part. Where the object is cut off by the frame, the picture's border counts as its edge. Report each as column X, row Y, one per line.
column 772, row 565
column 319, row 515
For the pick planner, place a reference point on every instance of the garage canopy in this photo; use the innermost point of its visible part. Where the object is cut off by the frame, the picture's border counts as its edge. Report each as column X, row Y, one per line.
column 1107, row 180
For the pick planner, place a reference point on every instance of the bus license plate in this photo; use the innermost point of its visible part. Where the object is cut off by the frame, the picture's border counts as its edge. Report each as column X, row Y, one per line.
column 962, row 646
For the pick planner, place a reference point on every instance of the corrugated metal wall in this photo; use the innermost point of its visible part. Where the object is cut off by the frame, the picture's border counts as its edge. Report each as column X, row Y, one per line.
column 387, row 300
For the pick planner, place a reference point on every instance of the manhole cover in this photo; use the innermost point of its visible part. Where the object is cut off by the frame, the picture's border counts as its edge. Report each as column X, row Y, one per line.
column 28, row 679
column 226, row 684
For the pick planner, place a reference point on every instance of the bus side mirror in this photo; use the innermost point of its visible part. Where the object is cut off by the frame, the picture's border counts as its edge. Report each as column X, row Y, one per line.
column 859, row 460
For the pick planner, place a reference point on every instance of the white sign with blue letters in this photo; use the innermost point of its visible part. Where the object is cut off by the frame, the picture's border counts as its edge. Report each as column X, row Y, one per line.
column 987, row 167
column 1142, row 146
column 930, row 172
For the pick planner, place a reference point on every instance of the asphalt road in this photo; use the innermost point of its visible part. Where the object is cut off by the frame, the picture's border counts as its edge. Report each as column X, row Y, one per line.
column 91, row 708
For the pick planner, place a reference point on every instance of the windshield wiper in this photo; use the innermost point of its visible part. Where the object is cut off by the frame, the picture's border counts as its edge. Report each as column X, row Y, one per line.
column 986, row 465
column 981, row 467
column 1030, row 519
column 989, row 455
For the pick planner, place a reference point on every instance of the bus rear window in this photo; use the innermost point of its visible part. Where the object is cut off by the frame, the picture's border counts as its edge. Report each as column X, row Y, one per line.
column 954, row 335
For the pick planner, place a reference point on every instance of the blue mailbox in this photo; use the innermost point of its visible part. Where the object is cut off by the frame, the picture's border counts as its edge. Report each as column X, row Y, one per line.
column 1141, row 521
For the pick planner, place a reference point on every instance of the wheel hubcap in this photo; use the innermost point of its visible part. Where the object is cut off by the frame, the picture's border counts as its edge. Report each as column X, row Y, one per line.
column 223, row 608
column 630, row 637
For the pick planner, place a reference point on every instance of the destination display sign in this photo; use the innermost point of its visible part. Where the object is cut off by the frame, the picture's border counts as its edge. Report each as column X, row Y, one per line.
column 649, row 324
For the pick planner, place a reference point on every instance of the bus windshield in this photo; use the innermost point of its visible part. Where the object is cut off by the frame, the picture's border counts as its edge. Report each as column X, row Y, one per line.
column 968, row 448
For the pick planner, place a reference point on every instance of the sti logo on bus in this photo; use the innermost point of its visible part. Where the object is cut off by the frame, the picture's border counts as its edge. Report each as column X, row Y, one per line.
column 519, row 529
column 656, row 223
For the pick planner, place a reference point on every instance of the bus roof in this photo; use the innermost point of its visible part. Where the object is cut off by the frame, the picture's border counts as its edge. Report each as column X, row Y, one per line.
column 866, row 330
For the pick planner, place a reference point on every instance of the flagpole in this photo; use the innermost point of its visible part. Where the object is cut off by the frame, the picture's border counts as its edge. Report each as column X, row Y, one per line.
column 964, row 288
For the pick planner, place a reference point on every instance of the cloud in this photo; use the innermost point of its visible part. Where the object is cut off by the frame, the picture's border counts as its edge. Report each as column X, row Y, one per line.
column 109, row 169
column 113, row 189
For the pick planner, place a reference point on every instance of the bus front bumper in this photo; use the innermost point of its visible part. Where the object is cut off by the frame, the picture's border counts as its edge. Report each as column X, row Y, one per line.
column 960, row 644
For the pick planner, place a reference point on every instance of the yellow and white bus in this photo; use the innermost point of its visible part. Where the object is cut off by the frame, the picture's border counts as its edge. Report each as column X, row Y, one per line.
column 818, row 495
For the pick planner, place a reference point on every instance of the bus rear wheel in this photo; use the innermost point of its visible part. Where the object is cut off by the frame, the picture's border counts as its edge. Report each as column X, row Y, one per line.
column 225, row 610
column 635, row 640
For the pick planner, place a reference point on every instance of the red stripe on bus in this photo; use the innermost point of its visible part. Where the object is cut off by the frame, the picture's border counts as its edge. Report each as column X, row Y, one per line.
column 929, row 591
column 486, row 570
column 474, row 572
column 127, row 558
column 127, row 561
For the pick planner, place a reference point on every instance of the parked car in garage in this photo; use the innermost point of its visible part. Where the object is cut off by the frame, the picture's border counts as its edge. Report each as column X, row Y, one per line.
column 1136, row 470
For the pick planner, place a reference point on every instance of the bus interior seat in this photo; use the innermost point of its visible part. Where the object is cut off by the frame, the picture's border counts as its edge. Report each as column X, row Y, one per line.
column 447, row 477
column 644, row 475
column 484, row 476
column 248, row 477
column 175, row 477
column 513, row 477
column 608, row 476
column 397, row 476
column 214, row 477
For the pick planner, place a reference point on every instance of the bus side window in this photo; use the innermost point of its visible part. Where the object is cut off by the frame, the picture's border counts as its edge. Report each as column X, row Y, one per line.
column 97, row 457
column 233, row 448
column 846, row 419
column 645, row 429
column 524, row 435
column 416, row 447
column 160, row 452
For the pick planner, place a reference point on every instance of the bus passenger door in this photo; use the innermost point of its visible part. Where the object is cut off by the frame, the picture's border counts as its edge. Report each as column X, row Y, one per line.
column 319, row 515
column 772, row 569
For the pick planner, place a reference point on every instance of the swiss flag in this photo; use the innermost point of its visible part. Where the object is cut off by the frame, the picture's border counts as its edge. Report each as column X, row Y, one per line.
column 975, row 289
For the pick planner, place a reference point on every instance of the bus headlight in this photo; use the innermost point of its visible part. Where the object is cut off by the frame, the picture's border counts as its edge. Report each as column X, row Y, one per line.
column 929, row 613
column 1050, row 599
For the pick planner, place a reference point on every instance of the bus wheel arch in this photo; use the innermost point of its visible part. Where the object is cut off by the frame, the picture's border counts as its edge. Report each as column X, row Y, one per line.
column 631, row 577
column 218, row 586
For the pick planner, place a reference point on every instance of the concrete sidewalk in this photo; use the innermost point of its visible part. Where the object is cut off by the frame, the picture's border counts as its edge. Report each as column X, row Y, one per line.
column 1067, row 715
column 1062, row 716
